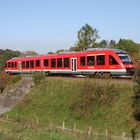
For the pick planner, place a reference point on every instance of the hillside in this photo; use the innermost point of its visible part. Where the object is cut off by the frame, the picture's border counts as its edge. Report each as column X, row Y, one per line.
column 73, row 101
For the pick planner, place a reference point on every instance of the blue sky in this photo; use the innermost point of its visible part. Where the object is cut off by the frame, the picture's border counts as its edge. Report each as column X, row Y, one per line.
column 49, row 25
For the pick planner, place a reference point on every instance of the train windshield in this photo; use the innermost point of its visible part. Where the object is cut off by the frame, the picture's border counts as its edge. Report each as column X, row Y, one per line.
column 125, row 58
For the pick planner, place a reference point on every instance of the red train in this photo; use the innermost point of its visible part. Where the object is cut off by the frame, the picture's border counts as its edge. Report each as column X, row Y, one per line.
column 97, row 61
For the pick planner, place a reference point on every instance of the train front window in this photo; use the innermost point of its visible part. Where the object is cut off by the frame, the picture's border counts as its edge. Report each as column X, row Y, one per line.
column 125, row 58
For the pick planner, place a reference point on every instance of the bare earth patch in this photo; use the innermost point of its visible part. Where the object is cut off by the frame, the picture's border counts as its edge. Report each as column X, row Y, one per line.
column 13, row 96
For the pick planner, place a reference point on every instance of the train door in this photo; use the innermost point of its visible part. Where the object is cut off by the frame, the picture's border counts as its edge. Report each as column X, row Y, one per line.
column 73, row 64
column 19, row 66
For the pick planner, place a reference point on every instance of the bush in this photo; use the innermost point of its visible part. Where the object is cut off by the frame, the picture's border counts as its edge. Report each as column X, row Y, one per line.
column 6, row 80
column 93, row 94
column 14, row 78
column 38, row 76
column 136, row 98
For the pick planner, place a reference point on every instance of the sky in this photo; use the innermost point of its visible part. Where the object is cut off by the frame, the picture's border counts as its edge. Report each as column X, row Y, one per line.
column 49, row 25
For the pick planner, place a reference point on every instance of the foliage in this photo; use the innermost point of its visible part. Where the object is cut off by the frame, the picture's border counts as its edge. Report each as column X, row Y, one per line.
column 87, row 36
column 93, row 94
column 51, row 53
column 38, row 76
column 59, row 51
column 127, row 45
column 107, row 44
column 75, row 48
column 28, row 53
column 4, row 79
column 112, row 43
column 7, row 80
column 50, row 101
column 103, row 44
column 136, row 98
column 5, row 55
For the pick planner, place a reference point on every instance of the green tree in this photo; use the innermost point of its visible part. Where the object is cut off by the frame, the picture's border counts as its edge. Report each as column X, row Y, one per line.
column 128, row 45
column 28, row 53
column 112, row 44
column 5, row 55
column 59, row 51
column 87, row 36
column 103, row 44
column 51, row 53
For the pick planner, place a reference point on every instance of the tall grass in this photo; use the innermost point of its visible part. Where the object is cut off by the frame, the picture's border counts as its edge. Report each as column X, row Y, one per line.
column 101, row 104
column 38, row 76
column 93, row 95
column 136, row 98
column 7, row 80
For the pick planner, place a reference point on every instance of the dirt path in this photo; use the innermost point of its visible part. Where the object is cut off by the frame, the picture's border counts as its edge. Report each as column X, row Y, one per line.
column 13, row 96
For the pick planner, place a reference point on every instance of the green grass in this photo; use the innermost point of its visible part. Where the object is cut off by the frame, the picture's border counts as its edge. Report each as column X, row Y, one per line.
column 51, row 101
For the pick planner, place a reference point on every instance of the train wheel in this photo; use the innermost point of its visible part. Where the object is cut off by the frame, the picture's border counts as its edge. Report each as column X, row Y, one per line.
column 98, row 74
column 47, row 73
column 106, row 75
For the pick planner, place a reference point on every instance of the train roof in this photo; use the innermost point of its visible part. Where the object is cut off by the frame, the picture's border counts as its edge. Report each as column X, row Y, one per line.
column 101, row 49
column 73, row 52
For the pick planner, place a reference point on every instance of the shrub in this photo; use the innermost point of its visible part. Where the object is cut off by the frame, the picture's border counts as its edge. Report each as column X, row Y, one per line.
column 14, row 78
column 93, row 94
column 38, row 76
column 4, row 80
column 136, row 98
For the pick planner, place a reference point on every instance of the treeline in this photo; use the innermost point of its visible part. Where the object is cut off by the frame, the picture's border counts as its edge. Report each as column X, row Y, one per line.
column 5, row 55
column 8, row 54
column 125, row 44
column 87, row 38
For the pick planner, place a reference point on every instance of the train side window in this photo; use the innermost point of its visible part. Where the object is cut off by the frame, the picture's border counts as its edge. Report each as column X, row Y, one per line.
column 66, row 62
column 27, row 64
column 37, row 63
column 12, row 64
column 82, row 61
column 15, row 64
column 23, row 64
column 90, row 60
column 112, row 60
column 46, row 62
column 59, row 62
column 101, row 60
column 9, row 64
column 31, row 64
column 53, row 63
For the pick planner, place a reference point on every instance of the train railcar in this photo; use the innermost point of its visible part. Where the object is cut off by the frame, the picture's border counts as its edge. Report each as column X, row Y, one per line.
column 97, row 61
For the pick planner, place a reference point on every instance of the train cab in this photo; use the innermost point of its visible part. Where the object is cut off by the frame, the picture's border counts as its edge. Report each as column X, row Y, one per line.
column 126, row 61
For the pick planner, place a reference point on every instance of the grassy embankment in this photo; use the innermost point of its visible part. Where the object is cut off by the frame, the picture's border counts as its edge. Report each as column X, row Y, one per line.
column 72, row 101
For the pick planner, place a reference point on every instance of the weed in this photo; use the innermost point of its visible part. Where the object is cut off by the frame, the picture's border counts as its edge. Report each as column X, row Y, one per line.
column 93, row 94
column 136, row 98
column 38, row 76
